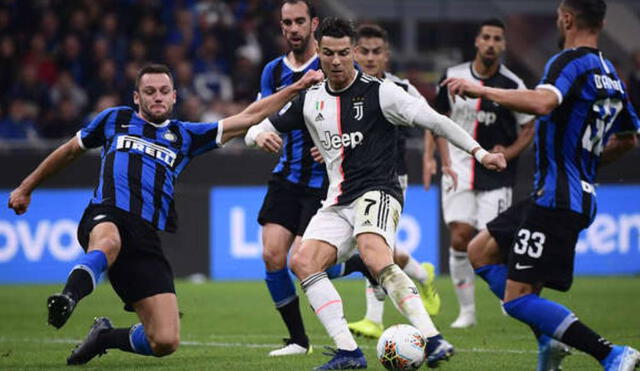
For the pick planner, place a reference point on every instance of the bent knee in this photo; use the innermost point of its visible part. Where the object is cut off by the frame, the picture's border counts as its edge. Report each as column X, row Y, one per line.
column 164, row 345
column 303, row 265
column 274, row 259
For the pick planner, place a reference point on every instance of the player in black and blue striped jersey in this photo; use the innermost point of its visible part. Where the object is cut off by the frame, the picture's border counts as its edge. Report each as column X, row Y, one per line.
column 143, row 153
column 585, row 119
column 298, row 184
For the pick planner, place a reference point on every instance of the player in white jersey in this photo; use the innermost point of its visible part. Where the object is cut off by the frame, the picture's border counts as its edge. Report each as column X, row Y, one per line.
column 352, row 119
column 480, row 195
column 372, row 54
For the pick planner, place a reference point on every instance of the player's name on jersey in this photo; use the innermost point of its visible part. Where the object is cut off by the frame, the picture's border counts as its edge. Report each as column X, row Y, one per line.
column 128, row 142
column 606, row 82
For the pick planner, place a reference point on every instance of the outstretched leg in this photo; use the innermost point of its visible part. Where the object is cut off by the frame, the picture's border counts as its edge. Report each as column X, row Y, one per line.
column 104, row 247
column 157, row 334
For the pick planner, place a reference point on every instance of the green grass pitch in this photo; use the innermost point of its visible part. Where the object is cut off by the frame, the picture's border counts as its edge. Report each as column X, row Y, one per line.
column 233, row 325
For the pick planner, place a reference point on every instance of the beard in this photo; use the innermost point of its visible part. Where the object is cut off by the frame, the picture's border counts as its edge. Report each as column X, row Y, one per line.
column 156, row 118
column 302, row 47
column 488, row 61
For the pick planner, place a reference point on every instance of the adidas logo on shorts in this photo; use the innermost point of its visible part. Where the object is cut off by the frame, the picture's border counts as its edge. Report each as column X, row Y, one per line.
column 319, row 117
column 367, row 223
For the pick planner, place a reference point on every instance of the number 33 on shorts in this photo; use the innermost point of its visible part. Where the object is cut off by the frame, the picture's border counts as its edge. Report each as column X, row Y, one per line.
column 530, row 243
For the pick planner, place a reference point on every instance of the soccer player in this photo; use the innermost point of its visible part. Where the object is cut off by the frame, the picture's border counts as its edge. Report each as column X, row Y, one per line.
column 481, row 195
column 352, row 119
column 372, row 55
column 298, row 184
column 143, row 152
column 585, row 119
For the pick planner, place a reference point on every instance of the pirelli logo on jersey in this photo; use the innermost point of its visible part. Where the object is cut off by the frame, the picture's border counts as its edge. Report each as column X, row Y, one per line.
column 128, row 142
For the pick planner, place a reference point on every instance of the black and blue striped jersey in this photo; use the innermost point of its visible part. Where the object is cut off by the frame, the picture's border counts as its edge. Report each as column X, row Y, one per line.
column 295, row 164
column 570, row 140
column 141, row 161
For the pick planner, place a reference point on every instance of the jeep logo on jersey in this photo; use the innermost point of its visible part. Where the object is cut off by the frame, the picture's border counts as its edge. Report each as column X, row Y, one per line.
column 358, row 110
column 470, row 115
column 336, row 141
column 140, row 145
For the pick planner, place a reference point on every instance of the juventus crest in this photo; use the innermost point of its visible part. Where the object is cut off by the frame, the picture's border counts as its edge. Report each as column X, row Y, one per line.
column 358, row 110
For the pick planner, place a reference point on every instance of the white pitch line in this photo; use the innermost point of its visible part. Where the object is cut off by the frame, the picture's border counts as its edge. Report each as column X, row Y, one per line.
column 248, row 345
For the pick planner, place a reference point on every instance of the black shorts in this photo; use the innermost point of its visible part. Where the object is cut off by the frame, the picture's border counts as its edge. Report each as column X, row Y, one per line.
column 141, row 269
column 290, row 205
column 538, row 243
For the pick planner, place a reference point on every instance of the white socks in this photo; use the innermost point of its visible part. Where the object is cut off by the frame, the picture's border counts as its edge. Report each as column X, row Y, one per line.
column 415, row 271
column 463, row 278
column 375, row 307
column 327, row 304
column 404, row 295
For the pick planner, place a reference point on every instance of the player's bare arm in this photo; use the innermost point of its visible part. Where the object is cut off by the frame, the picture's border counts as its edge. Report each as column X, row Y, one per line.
column 525, row 136
column 445, row 161
column 617, row 146
column 538, row 102
column 59, row 159
column 257, row 111
column 429, row 165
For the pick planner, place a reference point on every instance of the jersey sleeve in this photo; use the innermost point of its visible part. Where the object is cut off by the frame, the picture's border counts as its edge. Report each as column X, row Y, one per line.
column 93, row 135
column 398, row 107
column 266, row 81
column 204, row 136
column 559, row 75
column 290, row 117
column 627, row 121
column 442, row 104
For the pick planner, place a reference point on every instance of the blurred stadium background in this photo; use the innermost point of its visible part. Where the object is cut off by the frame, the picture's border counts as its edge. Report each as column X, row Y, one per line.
column 61, row 62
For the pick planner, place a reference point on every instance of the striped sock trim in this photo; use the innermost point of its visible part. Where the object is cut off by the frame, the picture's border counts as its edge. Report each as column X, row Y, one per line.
column 312, row 279
column 564, row 325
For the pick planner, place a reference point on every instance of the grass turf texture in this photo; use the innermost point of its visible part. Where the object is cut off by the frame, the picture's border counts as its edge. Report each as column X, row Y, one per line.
column 233, row 325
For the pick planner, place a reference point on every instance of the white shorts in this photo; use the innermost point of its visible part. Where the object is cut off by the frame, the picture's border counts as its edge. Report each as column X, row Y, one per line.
column 475, row 208
column 375, row 212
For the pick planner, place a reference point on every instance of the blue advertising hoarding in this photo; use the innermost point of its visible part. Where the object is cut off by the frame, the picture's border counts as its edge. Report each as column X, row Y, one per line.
column 611, row 245
column 236, row 248
column 41, row 246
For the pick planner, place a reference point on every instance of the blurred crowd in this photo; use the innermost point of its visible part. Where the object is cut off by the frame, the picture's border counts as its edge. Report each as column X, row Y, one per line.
column 63, row 61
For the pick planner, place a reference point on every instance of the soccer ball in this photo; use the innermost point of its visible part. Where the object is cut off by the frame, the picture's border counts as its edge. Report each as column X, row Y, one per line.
column 401, row 347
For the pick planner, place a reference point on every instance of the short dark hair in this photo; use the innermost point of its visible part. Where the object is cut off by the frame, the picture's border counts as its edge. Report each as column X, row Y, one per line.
column 336, row 27
column 152, row 68
column 311, row 10
column 495, row 22
column 371, row 31
column 589, row 13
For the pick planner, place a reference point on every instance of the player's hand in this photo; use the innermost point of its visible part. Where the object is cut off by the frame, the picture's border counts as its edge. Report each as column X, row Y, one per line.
column 309, row 79
column 501, row 149
column 19, row 201
column 494, row 161
column 463, row 88
column 269, row 141
column 316, row 155
column 429, row 169
column 447, row 170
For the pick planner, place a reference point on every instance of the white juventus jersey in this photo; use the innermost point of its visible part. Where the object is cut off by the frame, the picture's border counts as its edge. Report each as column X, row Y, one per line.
column 355, row 129
column 487, row 122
